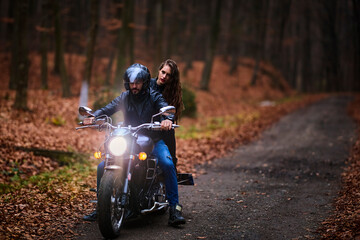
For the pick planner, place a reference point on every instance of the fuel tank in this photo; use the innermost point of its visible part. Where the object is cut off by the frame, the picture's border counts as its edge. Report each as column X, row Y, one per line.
column 145, row 144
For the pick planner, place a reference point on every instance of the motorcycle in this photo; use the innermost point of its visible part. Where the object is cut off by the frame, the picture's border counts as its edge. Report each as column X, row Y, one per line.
column 132, row 183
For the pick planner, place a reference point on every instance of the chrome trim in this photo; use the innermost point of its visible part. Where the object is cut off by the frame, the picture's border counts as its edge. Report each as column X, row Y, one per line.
column 157, row 206
column 113, row 167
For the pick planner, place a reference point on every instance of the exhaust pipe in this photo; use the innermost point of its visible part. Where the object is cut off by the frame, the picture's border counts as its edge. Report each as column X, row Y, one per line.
column 157, row 206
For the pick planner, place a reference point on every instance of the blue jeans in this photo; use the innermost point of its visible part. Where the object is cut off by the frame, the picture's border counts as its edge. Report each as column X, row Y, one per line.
column 161, row 151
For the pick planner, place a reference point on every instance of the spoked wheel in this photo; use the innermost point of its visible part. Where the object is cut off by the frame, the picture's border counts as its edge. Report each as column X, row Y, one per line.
column 110, row 212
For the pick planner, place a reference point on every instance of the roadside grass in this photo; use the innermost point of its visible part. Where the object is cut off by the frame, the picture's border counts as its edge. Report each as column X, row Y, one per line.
column 73, row 171
column 47, row 205
column 210, row 126
column 207, row 127
column 293, row 98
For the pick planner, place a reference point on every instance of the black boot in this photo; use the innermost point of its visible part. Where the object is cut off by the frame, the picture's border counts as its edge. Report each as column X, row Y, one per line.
column 175, row 217
column 91, row 217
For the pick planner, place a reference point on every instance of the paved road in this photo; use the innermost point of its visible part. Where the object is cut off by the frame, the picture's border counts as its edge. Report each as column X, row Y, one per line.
column 280, row 187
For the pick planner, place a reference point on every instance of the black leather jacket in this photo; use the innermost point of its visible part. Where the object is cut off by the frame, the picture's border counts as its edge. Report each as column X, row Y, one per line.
column 155, row 87
column 137, row 109
column 168, row 136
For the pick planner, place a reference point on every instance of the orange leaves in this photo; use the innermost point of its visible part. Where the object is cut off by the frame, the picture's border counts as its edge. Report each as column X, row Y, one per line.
column 50, row 124
column 344, row 222
column 37, row 214
column 51, row 210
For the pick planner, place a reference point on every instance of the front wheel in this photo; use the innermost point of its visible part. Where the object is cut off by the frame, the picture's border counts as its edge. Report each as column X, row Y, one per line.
column 110, row 212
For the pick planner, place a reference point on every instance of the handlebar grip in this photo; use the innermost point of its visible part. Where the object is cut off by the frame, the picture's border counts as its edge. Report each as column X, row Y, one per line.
column 157, row 127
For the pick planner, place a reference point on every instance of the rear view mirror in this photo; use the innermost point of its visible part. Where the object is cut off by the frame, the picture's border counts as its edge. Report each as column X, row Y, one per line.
column 164, row 111
column 168, row 110
column 85, row 111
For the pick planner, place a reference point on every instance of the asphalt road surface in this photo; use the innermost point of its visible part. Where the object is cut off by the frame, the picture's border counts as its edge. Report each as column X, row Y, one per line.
column 279, row 187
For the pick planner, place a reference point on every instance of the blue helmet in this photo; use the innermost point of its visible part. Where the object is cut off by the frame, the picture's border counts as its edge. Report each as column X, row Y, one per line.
column 135, row 73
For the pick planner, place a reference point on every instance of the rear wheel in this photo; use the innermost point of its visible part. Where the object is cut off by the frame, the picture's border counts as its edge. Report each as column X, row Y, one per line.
column 110, row 212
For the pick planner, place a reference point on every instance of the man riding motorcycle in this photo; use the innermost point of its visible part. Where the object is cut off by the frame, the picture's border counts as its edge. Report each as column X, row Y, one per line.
column 138, row 104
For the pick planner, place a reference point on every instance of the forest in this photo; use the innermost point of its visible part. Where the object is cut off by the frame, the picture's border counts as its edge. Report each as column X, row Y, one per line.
column 313, row 45
column 244, row 64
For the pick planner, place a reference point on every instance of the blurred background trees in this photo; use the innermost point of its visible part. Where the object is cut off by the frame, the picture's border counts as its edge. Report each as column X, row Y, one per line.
column 314, row 44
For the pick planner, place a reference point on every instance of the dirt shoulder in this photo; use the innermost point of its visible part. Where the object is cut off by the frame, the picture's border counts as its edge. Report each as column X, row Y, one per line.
column 280, row 187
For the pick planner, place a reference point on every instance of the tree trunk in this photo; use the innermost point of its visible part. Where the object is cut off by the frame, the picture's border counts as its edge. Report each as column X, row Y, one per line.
column 4, row 8
column 90, row 49
column 120, row 59
column 235, row 35
column 256, row 71
column 125, row 33
column 22, row 65
column 44, row 39
column 91, row 40
column 130, row 30
column 44, row 59
column 330, row 45
column 14, row 49
column 260, row 36
column 356, row 39
column 109, row 69
column 306, row 56
column 278, row 16
column 159, row 17
column 172, row 27
column 210, row 52
column 59, row 55
column 63, row 157
column 189, row 36
column 148, row 22
column 58, row 41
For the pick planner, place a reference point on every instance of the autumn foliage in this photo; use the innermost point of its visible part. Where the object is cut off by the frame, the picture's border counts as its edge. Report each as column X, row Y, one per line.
column 345, row 221
column 44, row 198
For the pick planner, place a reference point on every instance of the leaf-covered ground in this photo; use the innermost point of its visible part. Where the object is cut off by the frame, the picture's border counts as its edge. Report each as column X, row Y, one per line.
column 44, row 199
column 344, row 223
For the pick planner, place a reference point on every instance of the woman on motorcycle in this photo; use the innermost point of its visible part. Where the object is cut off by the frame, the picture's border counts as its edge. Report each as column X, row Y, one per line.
column 168, row 84
column 138, row 104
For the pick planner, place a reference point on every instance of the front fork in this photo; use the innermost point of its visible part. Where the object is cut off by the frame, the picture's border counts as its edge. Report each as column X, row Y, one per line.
column 125, row 191
column 125, row 194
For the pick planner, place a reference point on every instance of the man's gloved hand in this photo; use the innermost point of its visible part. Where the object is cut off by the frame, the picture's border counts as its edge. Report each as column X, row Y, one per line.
column 88, row 121
column 166, row 125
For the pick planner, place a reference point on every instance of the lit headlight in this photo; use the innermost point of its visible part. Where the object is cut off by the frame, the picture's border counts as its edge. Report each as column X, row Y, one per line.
column 117, row 146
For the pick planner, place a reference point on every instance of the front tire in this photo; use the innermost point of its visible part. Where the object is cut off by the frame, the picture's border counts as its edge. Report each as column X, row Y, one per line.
column 110, row 212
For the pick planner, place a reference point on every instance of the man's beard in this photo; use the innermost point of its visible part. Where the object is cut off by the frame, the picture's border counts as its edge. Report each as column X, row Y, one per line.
column 136, row 91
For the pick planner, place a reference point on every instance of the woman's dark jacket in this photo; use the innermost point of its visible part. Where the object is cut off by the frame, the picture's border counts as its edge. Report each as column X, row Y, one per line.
column 168, row 136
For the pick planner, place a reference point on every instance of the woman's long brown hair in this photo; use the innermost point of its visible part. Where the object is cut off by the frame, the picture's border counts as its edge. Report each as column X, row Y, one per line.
column 172, row 91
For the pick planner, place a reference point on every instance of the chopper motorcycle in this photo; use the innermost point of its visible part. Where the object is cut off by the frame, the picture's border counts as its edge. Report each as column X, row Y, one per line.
column 132, row 183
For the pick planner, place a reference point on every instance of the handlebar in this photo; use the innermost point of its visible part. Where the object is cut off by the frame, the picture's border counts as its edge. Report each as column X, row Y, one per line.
column 151, row 126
